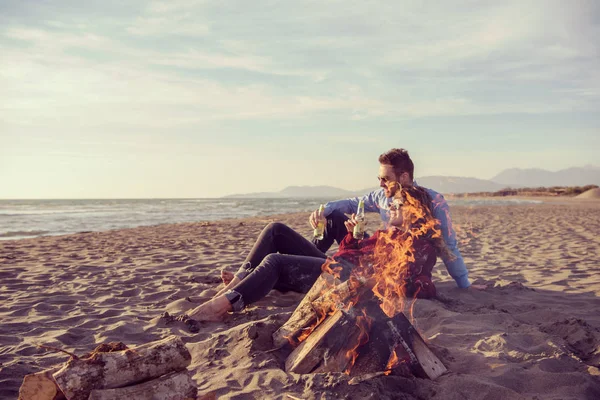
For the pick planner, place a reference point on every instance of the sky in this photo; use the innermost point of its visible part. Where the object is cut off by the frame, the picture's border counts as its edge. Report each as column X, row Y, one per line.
column 134, row 99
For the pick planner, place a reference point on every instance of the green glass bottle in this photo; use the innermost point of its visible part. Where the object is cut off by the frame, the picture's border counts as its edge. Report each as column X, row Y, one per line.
column 320, row 229
column 359, row 228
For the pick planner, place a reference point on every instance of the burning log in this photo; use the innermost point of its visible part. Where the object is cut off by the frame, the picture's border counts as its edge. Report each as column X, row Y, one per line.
column 375, row 354
column 40, row 386
column 317, row 303
column 173, row 386
column 121, row 368
column 394, row 343
column 304, row 313
column 391, row 345
column 339, row 294
column 330, row 337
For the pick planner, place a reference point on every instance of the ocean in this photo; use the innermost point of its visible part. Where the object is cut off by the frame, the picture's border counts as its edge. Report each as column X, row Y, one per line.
column 21, row 219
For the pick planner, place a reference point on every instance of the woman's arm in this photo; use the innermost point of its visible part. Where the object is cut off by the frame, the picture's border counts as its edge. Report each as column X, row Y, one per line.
column 349, row 242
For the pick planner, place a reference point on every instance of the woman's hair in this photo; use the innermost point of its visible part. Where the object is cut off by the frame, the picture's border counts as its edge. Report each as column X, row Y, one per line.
column 418, row 205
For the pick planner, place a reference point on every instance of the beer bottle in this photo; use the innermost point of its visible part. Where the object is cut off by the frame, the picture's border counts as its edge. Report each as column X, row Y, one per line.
column 359, row 228
column 320, row 229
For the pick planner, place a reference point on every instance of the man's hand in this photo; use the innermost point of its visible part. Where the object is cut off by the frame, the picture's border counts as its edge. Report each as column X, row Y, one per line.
column 315, row 217
column 351, row 223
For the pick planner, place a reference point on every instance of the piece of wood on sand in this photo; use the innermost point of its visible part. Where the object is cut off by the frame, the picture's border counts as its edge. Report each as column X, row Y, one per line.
column 427, row 364
column 122, row 368
column 331, row 336
column 173, row 386
column 304, row 314
column 40, row 386
column 337, row 359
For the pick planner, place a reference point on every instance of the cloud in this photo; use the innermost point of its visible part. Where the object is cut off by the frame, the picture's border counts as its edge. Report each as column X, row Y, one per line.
column 158, row 26
column 191, row 62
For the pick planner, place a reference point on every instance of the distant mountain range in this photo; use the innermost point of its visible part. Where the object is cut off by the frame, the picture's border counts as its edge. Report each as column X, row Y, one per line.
column 513, row 177
column 456, row 184
column 304, row 191
column 577, row 176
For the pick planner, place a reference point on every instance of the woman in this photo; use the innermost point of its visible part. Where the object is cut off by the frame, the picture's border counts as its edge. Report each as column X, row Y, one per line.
column 284, row 260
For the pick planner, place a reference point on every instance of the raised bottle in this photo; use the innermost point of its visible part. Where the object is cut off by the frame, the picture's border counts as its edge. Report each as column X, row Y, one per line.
column 320, row 229
column 359, row 228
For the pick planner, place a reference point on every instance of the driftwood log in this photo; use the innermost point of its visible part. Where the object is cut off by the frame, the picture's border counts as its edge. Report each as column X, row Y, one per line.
column 40, row 386
column 121, row 368
column 173, row 386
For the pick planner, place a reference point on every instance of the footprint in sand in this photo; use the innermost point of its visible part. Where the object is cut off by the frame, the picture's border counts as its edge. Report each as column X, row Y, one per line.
column 580, row 337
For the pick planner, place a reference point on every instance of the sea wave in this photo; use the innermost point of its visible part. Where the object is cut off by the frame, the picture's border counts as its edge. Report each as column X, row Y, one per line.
column 31, row 218
column 19, row 213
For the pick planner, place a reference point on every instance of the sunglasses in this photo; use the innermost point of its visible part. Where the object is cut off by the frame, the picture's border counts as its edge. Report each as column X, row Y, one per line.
column 386, row 180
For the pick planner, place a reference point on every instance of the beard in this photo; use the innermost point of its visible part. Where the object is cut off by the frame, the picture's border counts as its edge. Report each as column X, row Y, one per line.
column 391, row 188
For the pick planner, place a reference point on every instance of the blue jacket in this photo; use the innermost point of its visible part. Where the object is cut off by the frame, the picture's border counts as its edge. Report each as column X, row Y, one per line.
column 377, row 202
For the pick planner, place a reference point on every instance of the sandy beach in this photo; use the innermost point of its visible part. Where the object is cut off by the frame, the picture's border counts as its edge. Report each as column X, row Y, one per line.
column 533, row 334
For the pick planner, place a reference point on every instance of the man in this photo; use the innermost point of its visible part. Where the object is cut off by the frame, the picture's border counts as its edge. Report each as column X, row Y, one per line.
column 395, row 166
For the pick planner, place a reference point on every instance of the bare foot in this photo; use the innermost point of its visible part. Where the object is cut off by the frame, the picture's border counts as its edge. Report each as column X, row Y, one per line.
column 226, row 277
column 213, row 310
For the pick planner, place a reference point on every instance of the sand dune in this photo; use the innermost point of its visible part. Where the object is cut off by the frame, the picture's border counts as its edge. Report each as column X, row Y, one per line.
column 534, row 334
column 590, row 194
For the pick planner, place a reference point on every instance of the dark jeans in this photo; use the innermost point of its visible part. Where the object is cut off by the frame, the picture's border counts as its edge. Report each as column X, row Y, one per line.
column 280, row 259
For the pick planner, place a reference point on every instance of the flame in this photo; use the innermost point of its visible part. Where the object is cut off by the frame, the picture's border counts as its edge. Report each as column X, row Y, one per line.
column 335, row 271
column 364, row 325
column 329, row 300
column 394, row 254
column 392, row 362
column 463, row 234
column 386, row 272
column 412, row 306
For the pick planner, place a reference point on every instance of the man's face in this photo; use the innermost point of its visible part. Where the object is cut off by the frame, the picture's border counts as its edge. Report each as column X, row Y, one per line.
column 387, row 175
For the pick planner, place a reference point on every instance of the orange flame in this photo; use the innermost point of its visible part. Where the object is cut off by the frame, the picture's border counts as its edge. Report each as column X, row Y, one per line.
column 364, row 325
column 332, row 298
column 387, row 272
column 394, row 253
column 392, row 362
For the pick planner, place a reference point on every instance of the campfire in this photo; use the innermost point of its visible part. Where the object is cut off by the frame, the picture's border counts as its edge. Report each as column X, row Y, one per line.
column 357, row 318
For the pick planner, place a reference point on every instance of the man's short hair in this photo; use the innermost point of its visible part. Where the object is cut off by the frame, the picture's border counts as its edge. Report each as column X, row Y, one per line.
column 400, row 160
